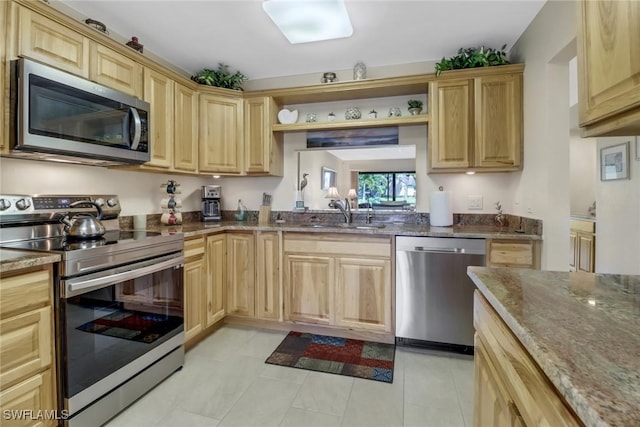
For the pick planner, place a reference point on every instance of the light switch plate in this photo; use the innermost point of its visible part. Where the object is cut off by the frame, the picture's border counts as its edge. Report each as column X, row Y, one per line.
column 474, row 202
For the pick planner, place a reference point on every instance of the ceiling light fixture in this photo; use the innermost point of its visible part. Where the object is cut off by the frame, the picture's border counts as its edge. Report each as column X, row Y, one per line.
column 304, row 21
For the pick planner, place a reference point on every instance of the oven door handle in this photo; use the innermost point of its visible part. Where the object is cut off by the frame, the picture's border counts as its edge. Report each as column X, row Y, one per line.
column 81, row 285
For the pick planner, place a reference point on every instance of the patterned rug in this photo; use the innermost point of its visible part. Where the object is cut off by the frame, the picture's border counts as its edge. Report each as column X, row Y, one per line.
column 343, row 356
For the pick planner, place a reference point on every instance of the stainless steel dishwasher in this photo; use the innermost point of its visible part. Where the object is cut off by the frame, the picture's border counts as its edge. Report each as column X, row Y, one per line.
column 434, row 295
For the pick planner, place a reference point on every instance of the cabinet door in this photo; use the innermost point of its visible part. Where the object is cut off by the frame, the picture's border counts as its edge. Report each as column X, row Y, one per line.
column 220, row 136
column 185, row 154
column 451, row 125
column 240, row 274
column 268, row 305
column 586, row 251
column 608, row 48
column 490, row 406
column 193, row 297
column 158, row 92
column 309, row 284
column 263, row 149
column 34, row 394
column 25, row 345
column 498, row 121
column 573, row 250
column 114, row 70
column 363, row 297
column 216, row 277
column 47, row 41
column 4, row 74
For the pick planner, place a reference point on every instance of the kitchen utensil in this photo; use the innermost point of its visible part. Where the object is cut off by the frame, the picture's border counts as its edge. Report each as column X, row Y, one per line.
column 83, row 225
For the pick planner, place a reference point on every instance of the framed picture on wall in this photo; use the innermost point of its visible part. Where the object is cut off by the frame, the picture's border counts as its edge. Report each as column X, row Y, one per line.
column 329, row 178
column 614, row 162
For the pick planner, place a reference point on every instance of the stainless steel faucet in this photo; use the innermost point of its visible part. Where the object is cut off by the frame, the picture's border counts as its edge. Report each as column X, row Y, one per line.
column 344, row 208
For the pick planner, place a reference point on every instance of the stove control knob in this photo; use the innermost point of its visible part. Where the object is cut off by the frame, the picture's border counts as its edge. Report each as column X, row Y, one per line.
column 100, row 202
column 23, row 204
column 4, row 204
column 112, row 202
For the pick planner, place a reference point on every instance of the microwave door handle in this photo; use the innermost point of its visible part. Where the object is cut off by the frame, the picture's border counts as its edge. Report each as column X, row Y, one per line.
column 137, row 133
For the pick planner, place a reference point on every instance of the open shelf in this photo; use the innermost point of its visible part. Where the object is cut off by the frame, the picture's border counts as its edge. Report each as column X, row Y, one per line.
column 420, row 119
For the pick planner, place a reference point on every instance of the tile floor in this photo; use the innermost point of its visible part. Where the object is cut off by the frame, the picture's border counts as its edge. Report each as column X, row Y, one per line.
column 225, row 382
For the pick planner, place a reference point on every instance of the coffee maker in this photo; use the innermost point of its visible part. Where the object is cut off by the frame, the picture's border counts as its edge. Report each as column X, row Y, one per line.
column 211, row 210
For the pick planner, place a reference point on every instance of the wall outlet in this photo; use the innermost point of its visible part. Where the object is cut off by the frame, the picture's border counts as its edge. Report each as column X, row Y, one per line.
column 474, row 202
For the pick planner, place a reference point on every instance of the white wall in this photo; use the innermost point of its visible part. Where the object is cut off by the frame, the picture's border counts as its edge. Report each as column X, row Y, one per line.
column 618, row 217
column 139, row 192
column 543, row 188
column 583, row 173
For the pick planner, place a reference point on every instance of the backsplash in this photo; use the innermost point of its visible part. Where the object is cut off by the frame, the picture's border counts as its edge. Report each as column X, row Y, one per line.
column 511, row 222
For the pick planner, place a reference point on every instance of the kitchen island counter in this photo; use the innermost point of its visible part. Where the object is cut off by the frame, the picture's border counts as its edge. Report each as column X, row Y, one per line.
column 582, row 331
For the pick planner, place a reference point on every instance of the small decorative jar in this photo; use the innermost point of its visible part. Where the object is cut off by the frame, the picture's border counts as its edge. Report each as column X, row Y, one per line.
column 311, row 117
column 373, row 114
column 395, row 112
column 352, row 113
column 328, row 77
column 331, row 117
column 359, row 71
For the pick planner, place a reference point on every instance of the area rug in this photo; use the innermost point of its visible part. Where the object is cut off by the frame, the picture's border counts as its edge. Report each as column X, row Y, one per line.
column 343, row 356
column 132, row 325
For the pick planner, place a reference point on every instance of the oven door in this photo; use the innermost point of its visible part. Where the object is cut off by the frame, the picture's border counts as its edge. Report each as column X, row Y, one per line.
column 115, row 323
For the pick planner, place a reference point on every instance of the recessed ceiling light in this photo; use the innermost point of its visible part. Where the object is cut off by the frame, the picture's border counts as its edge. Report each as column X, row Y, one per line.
column 303, row 21
column 470, row 172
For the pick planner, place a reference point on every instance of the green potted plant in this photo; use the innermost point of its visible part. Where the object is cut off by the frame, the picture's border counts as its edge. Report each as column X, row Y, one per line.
column 415, row 106
column 473, row 57
column 220, row 77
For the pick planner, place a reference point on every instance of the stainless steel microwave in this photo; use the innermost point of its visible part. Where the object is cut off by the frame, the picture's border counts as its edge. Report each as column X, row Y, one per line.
column 59, row 116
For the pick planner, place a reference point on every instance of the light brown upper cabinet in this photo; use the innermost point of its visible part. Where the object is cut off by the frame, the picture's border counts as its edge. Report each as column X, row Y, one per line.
column 608, row 67
column 115, row 70
column 221, row 139
column 4, row 74
column 47, row 41
column 476, row 124
column 263, row 147
column 158, row 92
column 185, row 149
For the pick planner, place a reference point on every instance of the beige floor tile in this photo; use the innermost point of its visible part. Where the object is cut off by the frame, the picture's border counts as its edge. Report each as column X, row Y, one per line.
column 262, row 344
column 374, row 403
column 265, row 403
column 180, row 417
column 302, row 418
column 224, row 343
column 323, row 392
column 284, row 373
column 436, row 413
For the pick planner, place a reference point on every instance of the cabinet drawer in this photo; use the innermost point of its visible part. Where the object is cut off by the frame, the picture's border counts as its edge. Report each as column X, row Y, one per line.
column 25, row 291
column 511, row 253
column 582, row 225
column 338, row 245
column 532, row 393
column 194, row 247
column 25, row 345
column 34, row 394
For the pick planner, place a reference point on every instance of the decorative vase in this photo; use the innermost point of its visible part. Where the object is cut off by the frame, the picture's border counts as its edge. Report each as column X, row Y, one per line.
column 352, row 113
column 414, row 111
column 395, row 112
column 328, row 77
column 359, row 71
column 331, row 117
column 311, row 117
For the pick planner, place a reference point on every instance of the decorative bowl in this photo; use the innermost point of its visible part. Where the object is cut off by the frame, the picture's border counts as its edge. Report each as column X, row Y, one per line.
column 352, row 113
column 287, row 117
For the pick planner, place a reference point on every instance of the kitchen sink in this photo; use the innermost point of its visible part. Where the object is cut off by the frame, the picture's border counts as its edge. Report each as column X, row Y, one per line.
column 344, row 225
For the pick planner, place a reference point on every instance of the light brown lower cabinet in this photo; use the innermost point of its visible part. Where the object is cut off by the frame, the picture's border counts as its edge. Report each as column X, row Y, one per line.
column 268, row 298
column 27, row 373
column 582, row 245
column 510, row 389
column 216, row 277
column 241, row 274
column 194, row 290
column 513, row 253
column 338, row 280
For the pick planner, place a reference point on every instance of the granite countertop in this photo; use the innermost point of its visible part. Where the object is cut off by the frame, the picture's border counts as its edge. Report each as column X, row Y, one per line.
column 11, row 259
column 390, row 229
column 581, row 329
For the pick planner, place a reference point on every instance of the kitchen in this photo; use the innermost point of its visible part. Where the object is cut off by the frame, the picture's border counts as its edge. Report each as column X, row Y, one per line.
column 539, row 191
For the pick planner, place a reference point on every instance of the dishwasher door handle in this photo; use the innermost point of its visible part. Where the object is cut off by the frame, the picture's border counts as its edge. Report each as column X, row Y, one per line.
column 448, row 250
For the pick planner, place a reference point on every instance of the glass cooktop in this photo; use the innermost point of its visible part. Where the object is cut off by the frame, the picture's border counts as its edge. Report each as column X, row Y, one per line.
column 66, row 244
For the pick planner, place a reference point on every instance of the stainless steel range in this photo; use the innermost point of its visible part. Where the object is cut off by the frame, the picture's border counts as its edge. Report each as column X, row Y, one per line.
column 119, row 301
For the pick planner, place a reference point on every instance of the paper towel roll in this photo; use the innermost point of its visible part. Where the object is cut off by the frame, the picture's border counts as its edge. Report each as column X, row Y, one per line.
column 441, row 209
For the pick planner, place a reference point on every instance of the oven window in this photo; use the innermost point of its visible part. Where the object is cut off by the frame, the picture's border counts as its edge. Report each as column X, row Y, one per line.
column 108, row 328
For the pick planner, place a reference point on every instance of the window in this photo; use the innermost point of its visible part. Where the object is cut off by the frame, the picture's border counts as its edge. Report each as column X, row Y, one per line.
column 387, row 189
